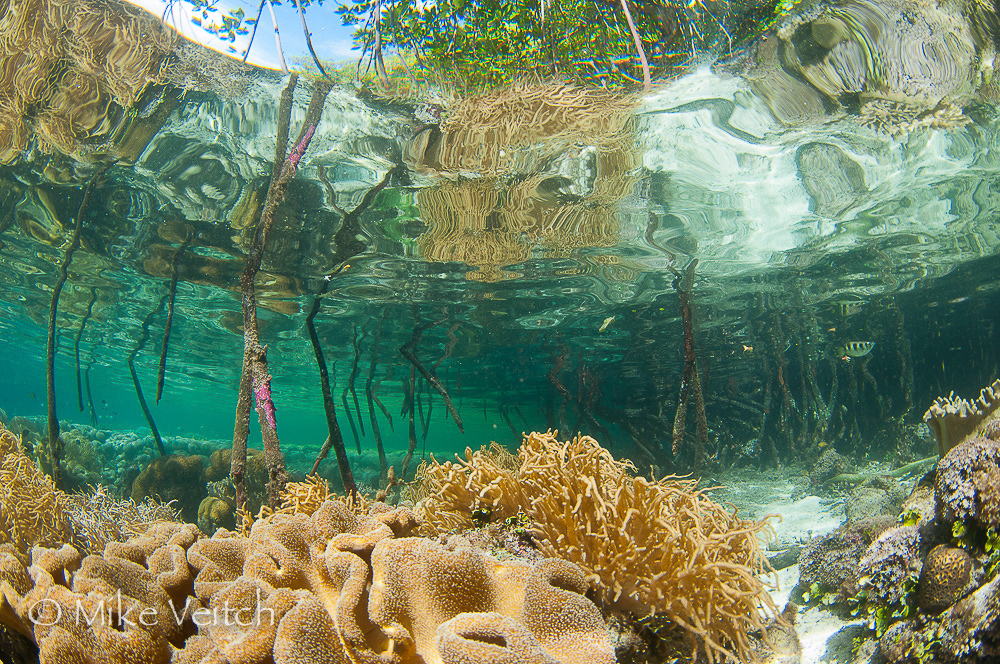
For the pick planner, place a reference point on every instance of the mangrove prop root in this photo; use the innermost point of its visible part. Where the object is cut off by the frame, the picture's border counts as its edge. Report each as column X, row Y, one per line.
column 90, row 399
column 407, row 403
column 407, row 352
column 306, row 33
column 506, row 418
column 906, row 380
column 690, row 381
column 426, row 424
column 350, row 420
column 255, row 376
column 284, row 122
column 420, row 412
column 76, row 347
column 412, row 445
column 383, row 463
column 347, row 244
column 55, row 443
column 449, row 347
column 241, row 429
column 378, row 402
column 335, row 438
column 354, row 376
column 553, row 376
column 144, row 337
column 170, row 320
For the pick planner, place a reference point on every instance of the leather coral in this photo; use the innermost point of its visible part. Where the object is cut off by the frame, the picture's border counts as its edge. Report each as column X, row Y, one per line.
column 648, row 547
column 339, row 585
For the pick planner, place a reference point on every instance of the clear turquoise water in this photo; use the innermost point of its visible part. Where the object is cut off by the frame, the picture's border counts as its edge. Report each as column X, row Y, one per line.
column 809, row 237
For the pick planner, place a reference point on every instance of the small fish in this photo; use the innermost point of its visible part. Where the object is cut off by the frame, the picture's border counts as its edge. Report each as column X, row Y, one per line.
column 31, row 394
column 855, row 349
column 747, row 348
column 850, row 307
column 607, row 321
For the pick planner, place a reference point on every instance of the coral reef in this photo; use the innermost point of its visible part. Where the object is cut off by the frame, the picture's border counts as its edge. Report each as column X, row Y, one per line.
column 829, row 564
column 879, row 495
column 953, row 419
column 175, row 477
column 255, row 477
column 34, row 512
column 111, row 458
column 967, row 484
column 891, row 565
column 947, row 576
column 968, row 632
column 215, row 513
column 333, row 587
column 900, row 642
column 660, row 547
column 918, row 584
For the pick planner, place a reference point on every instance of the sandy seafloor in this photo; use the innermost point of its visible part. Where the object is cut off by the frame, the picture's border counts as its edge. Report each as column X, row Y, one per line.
column 824, row 636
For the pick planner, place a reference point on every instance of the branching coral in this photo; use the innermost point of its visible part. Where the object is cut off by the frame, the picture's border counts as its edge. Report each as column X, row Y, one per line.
column 305, row 497
column 648, row 546
column 101, row 518
column 34, row 512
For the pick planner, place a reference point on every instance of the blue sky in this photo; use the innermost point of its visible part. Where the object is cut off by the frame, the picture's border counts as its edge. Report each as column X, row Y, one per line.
column 331, row 40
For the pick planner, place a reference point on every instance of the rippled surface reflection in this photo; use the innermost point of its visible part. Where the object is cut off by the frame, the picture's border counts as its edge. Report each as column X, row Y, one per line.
column 522, row 222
